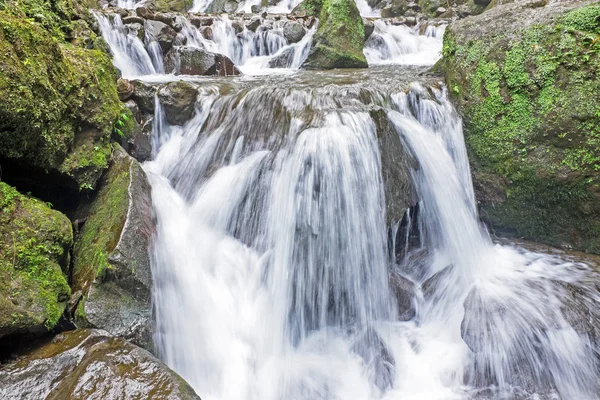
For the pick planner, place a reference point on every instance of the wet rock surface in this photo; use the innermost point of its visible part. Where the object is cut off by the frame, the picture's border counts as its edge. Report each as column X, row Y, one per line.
column 185, row 60
column 90, row 364
column 178, row 100
column 111, row 261
column 377, row 358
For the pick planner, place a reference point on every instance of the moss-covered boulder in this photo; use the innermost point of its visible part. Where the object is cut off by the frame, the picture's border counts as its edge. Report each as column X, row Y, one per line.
column 90, row 364
column 111, row 265
column 34, row 258
column 339, row 40
column 59, row 101
column 526, row 78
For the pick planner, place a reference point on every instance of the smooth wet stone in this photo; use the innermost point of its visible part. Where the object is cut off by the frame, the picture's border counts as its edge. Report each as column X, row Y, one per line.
column 111, row 261
column 178, row 100
column 90, row 364
column 283, row 60
column 187, row 60
column 293, row 31
column 404, row 291
column 160, row 32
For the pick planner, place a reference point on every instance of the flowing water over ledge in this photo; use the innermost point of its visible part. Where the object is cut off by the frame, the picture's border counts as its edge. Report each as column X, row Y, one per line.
column 272, row 259
column 280, row 261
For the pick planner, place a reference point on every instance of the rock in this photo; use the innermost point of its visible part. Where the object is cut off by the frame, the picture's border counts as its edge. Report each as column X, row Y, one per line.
column 376, row 357
column 160, row 32
column 282, row 60
column 111, row 264
column 255, row 9
column 410, row 21
column 207, row 32
column 144, row 13
column 54, row 96
column 527, row 119
column 34, row 261
column 439, row 11
column 308, row 8
column 124, row 89
column 175, row 21
column 180, row 40
column 90, row 364
column 413, row 6
column 338, row 42
column 253, row 24
column 143, row 95
column 238, row 27
column 396, row 165
column 178, row 100
column 184, row 60
column 404, row 290
column 140, row 144
column 484, row 3
column 396, row 8
column 293, row 31
column 369, row 29
column 172, row 5
column 133, row 19
column 136, row 30
column 432, row 286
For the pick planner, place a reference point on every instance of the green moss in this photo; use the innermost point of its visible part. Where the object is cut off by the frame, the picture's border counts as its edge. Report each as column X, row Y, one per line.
column 584, row 19
column 340, row 36
column 34, row 253
column 308, row 8
column 102, row 230
column 532, row 116
column 52, row 92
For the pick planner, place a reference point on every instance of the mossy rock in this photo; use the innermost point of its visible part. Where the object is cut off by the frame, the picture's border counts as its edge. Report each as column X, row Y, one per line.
column 90, row 364
column 526, row 80
column 34, row 257
column 111, row 264
column 55, row 96
column 340, row 37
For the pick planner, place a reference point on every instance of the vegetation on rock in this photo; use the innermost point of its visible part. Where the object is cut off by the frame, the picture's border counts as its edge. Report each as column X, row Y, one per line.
column 529, row 97
column 57, row 98
column 340, row 36
column 34, row 257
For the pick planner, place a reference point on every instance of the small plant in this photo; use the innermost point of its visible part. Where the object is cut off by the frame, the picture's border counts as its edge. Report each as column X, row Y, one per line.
column 120, row 124
column 86, row 186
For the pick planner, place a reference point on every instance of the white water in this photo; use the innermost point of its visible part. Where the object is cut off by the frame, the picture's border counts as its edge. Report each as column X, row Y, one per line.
column 250, row 51
column 271, row 261
column 400, row 44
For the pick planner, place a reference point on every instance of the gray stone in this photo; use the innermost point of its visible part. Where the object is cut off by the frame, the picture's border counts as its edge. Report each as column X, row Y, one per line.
column 118, row 301
column 377, row 357
column 178, row 100
column 143, row 95
column 185, row 60
column 369, row 28
column 404, row 291
column 293, row 31
column 282, row 60
column 160, row 32
column 90, row 364
column 253, row 24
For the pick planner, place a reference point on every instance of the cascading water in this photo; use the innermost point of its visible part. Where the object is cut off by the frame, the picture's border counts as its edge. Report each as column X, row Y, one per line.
column 272, row 265
column 400, row 44
column 271, row 260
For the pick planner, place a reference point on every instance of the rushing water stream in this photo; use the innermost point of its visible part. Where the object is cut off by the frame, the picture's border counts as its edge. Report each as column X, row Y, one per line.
column 272, row 258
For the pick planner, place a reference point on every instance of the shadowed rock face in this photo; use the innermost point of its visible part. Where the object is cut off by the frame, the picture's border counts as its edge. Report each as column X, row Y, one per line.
column 90, row 364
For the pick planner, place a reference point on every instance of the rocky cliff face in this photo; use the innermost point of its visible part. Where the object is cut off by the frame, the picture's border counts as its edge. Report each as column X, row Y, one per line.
column 525, row 77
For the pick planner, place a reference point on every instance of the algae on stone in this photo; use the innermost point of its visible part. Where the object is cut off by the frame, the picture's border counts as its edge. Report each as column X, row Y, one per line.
column 528, row 92
column 34, row 258
column 55, row 96
column 340, row 37
column 111, row 264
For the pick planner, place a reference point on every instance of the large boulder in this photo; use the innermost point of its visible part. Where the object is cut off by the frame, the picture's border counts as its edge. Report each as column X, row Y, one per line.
column 34, row 259
column 178, row 100
column 526, row 79
column 59, row 101
column 293, row 31
column 339, row 40
column 90, row 364
column 187, row 60
column 111, row 264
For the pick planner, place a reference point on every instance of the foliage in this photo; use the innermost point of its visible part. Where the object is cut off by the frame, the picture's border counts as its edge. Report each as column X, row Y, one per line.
column 532, row 116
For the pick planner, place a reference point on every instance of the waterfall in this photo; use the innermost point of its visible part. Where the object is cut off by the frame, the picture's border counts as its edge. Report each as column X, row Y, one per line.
column 400, row 44
column 271, row 259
